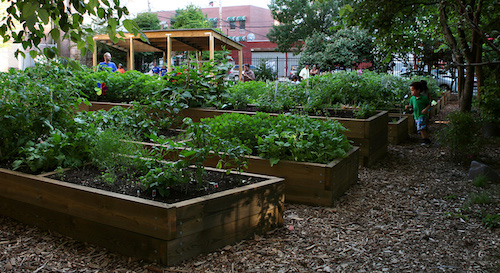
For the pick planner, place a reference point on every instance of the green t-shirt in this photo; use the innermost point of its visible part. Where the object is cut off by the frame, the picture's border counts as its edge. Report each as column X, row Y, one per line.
column 418, row 104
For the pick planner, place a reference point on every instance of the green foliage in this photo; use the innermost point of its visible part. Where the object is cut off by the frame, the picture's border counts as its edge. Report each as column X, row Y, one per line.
column 36, row 117
column 480, row 181
column 296, row 138
column 108, row 151
column 66, row 22
column 163, row 175
column 139, row 121
column 264, row 72
column 364, row 111
column 41, row 131
column 196, row 88
column 244, row 93
column 461, row 135
column 58, row 149
column 129, row 86
column 400, row 28
column 147, row 21
column 364, row 91
column 283, row 97
column 299, row 19
column 489, row 103
column 491, row 220
column 480, row 198
column 189, row 17
column 347, row 47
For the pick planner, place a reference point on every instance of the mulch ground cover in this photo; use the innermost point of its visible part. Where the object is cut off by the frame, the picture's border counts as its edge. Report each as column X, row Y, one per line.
column 414, row 211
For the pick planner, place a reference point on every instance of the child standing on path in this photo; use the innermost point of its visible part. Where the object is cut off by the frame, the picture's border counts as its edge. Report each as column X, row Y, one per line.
column 421, row 106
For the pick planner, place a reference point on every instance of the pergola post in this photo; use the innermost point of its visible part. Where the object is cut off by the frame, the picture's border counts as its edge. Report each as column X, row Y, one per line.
column 164, row 57
column 169, row 53
column 240, row 63
column 198, row 54
column 212, row 46
column 131, row 55
column 128, row 60
column 94, row 55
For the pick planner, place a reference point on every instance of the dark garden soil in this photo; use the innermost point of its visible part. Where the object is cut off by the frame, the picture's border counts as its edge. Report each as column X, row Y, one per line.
column 414, row 211
column 124, row 183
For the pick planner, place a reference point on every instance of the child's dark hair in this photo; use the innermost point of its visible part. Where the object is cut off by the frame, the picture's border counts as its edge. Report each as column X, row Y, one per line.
column 418, row 85
column 424, row 86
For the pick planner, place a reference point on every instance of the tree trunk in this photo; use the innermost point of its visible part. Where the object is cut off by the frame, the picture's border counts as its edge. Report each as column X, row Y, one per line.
column 465, row 101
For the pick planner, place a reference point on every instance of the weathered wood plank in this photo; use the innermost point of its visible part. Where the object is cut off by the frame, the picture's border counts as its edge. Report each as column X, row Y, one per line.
column 217, row 237
column 130, row 213
column 398, row 131
column 115, row 239
column 343, row 174
column 194, row 217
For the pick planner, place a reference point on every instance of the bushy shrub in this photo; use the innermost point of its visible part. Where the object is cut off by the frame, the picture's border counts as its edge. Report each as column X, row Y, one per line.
column 129, row 86
column 37, row 123
column 462, row 135
column 244, row 93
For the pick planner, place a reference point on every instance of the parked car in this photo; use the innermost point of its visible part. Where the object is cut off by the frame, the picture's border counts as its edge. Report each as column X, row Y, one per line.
column 445, row 82
column 233, row 73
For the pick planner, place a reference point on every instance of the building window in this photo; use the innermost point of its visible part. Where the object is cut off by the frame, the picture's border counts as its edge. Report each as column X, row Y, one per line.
column 242, row 24
column 213, row 22
column 232, row 25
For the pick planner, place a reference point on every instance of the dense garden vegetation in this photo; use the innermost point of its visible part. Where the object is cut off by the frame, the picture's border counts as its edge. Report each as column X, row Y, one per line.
column 360, row 91
column 41, row 129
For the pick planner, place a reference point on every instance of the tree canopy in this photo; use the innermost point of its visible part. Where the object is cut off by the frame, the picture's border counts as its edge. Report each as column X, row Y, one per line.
column 41, row 20
column 189, row 17
column 464, row 26
column 347, row 47
column 299, row 19
column 147, row 21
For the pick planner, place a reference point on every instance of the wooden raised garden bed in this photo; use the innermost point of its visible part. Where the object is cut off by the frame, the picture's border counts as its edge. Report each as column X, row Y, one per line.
column 305, row 183
column 398, row 128
column 369, row 134
column 96, row 106
column 157, row 232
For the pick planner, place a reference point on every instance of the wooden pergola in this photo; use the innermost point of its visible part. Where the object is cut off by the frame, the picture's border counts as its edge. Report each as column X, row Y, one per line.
column 170, row 40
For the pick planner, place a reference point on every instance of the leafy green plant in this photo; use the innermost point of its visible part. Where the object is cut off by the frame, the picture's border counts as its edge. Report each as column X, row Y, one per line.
column 161, row 175
column 364, row 111
column 203, row 87
column 461, row 135
column 36, row 116
column 264, row 72
column 284, row 137
column 244, row 93
column 380, row 91
column 480, row 181
column 129, row 86
column 451, row 197
column 491, row 220
column 480, row 198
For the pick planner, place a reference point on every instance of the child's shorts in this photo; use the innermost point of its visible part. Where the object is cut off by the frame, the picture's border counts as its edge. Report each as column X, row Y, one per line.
column 421, row 123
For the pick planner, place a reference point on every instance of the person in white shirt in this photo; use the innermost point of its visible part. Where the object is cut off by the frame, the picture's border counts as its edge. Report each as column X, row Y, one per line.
column 304, row 73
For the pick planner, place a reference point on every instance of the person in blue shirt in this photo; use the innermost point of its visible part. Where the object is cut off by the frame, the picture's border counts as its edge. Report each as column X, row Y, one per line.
column 156, row 69
column 163, row 70
column 107, row 63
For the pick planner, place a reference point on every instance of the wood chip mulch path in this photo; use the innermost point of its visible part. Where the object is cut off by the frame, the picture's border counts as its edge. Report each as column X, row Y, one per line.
column 414, row 211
